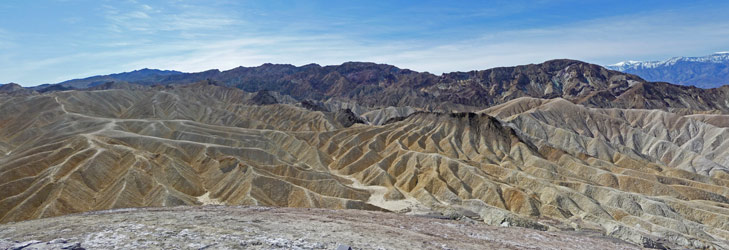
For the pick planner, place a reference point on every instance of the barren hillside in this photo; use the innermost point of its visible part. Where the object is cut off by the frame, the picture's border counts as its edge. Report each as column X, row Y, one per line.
column 652, row 177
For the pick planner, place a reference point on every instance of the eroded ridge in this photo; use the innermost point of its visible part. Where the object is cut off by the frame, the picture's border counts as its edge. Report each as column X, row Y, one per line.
column 649, row 177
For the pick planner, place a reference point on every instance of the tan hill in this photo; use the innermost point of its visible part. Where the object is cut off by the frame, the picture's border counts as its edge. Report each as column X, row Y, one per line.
column 649, row 177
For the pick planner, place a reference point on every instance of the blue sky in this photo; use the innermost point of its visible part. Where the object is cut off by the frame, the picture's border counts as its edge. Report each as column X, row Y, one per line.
column 55, row 40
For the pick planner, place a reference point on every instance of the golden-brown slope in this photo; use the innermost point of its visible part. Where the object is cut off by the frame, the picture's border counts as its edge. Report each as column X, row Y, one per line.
column 637, row 175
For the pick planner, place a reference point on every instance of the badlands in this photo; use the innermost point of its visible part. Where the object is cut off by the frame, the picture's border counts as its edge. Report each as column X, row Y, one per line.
column 563, row 149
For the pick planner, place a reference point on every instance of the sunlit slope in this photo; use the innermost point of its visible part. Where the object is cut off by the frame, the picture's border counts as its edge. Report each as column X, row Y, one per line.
column 639, row 175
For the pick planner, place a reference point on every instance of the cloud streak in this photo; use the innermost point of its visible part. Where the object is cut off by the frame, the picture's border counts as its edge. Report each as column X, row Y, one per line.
column 6, row 40
column 147, row 19
column 192, row 37
column 601, row 41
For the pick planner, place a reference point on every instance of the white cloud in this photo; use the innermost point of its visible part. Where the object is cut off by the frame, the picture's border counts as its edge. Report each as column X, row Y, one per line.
column 6, row 38
column 203, row 39
column 137, row 15
column 599, row 41
column 149, row 20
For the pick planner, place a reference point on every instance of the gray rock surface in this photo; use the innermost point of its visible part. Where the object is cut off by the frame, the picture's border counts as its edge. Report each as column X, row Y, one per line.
column 228, row 227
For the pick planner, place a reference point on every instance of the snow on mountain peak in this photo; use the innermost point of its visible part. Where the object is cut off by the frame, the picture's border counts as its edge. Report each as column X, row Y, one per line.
column 626, row 63
column 717, row 57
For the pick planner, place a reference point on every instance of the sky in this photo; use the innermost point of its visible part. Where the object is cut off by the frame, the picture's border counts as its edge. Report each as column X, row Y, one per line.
column 55, row 40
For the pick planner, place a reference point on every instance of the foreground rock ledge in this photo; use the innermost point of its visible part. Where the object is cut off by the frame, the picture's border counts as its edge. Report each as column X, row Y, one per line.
column 225, row 227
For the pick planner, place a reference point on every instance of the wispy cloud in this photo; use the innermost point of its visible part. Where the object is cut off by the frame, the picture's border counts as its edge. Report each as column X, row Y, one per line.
column 191, row 36
column 147, row 19
column 600, row 41
column 6, row 39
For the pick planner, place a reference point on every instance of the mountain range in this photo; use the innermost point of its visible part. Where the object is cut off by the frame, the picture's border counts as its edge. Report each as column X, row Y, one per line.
column 706, row 72
column 381, row 85
column 561, row 145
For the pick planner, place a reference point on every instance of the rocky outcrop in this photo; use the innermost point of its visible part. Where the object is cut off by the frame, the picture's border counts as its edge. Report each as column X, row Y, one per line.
column 347, row 118
column 59, row 243
column 223, row 227
column 263, row 98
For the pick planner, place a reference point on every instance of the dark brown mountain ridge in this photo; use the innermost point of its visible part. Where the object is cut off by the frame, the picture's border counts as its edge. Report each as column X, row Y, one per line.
column 382, row 85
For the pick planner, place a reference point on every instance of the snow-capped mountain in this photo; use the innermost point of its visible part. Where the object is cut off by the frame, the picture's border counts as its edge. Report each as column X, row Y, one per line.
column 706, row 71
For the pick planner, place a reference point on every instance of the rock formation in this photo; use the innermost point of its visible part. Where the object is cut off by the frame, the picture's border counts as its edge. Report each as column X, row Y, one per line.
column 236, row 227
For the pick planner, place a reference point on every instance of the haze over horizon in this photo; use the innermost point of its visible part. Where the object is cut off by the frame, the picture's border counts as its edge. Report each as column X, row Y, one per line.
column 65, row 39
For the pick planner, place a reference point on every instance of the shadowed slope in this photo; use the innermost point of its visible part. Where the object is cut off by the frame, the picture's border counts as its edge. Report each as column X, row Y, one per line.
column 646, row 176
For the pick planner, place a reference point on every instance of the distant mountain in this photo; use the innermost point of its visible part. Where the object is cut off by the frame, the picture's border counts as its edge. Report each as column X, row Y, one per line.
column 10, row 87
column 385, row 85
column 706, row 72
column 142, row 76
column 382, row 85
column 14, row 89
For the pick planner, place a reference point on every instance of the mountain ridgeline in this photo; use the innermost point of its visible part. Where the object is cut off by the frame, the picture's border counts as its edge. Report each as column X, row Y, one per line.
column 380, row 85
column 706, row 71
column 142, row 76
